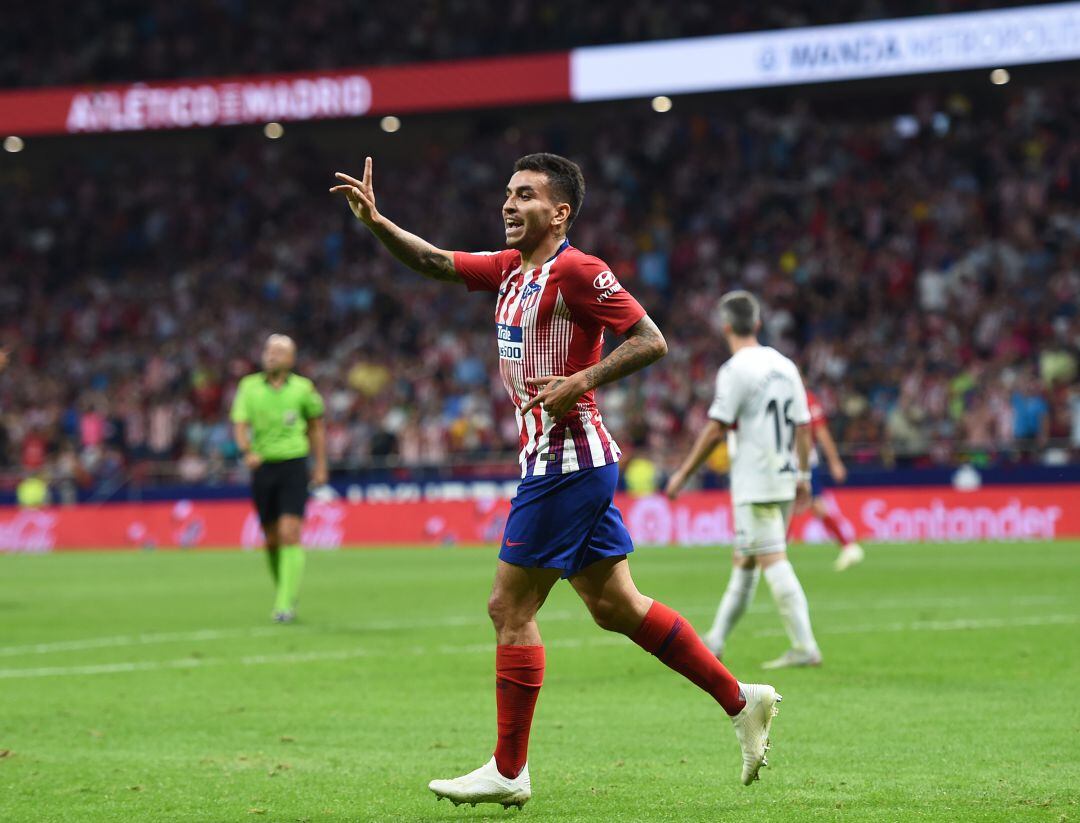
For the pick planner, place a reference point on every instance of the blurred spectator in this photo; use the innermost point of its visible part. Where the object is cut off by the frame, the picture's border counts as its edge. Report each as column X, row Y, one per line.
column 641, row 474
column 927, row 284
column 1031, row 414
column 96, row 41
column 32, row 492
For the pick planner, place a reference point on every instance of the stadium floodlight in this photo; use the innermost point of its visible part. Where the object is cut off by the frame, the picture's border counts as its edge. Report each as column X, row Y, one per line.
column 273, row 130
column 999, row 77
column 661, row 104
column 13, row 144
column 390, row 124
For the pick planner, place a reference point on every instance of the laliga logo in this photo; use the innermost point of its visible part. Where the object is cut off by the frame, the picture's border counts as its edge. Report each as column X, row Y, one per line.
column 28, row 531
column 604, row 280
column 323, row 527
column 654, row 521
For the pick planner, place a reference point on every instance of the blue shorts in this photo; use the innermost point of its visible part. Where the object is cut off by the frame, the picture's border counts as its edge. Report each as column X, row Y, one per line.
column 565, row 521
column 817, row 482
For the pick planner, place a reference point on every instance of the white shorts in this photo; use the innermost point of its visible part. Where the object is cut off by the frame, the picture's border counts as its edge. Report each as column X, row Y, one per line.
column 761, row 528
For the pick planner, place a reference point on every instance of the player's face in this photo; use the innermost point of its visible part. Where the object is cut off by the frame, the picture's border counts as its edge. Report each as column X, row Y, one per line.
column 278, row 356
column 530, row 211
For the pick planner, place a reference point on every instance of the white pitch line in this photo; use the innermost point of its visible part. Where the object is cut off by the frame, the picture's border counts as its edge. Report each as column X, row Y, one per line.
column 145, row 639
column 965, row 624
column 459, row 621
column 960, row 624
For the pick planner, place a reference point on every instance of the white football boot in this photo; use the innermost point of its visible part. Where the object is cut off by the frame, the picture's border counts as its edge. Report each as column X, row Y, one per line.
column 752, row 726
column 794, row 658
column 485, row 785
column 850, row 555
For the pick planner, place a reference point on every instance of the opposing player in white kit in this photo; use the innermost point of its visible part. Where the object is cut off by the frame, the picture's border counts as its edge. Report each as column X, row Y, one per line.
column 760, row 396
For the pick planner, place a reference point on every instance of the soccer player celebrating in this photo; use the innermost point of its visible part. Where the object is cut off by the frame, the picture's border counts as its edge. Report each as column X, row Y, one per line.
column 553, row 305
column 760, row 395
column 277, row 421
column 825, row 507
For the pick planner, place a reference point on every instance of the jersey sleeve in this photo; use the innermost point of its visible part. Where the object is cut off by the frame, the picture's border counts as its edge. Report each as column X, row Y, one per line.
column 800, row 412
column 313, row 403
column 725, row 404
column 595, row 296
column 482, row 271
column 240, row 412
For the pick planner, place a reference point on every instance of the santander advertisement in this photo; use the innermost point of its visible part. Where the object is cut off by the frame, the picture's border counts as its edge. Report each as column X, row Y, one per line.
column 1007, row 513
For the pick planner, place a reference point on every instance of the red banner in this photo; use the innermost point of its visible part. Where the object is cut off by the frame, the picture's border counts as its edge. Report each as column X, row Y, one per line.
column 302, row 96
column 704, row 518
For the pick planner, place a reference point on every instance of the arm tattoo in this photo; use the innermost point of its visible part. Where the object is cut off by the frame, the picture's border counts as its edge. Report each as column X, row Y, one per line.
column 644, row 344
column 417, row 253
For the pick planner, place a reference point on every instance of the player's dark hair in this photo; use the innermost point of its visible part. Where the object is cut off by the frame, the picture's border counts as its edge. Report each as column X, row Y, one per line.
column 740, row 310
column 564, row 177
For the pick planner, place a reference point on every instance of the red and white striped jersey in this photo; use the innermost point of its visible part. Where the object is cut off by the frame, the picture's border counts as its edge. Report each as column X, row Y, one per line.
column 551, row 321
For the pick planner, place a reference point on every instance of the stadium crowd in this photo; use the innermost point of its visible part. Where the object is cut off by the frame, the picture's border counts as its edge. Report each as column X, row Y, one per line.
column 925, row 273
column 131, row 40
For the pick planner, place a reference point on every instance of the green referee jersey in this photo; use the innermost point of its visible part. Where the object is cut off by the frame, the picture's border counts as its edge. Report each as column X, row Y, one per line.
column 278, row 416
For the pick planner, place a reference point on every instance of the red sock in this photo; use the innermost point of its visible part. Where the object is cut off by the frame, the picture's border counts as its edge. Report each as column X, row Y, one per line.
column 519, row 673
column 667, row 634
column 832, row 526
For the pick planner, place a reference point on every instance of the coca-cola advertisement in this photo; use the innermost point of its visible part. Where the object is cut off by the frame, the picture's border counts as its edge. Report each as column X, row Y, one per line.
column 697, row 519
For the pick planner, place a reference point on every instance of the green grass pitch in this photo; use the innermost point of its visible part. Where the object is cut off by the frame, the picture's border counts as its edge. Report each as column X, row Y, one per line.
column 151, row 686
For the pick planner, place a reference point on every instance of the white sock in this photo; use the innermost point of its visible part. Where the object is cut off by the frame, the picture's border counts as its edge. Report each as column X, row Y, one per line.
column 790, row 599
column 737, row 597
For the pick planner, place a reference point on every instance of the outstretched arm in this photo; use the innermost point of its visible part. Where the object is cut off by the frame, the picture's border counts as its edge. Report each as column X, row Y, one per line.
column 415, row 252
column 644, row 344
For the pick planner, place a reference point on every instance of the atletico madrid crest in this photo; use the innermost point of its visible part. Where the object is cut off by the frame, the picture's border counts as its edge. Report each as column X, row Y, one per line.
column 529, row 295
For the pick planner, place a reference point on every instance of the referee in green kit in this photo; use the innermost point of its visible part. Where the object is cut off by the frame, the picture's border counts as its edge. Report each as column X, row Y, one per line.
column 277, row 421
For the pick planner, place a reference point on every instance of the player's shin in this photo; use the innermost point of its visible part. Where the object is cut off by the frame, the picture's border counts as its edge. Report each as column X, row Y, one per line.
column 737, row 598
column 290, row 573
column 273, row 561
column 519, row 673
column 790, row 599
column 835, row 530
column 669, row 636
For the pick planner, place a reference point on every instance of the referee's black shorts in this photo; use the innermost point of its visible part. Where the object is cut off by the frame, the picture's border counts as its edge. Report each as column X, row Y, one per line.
column 280, row 488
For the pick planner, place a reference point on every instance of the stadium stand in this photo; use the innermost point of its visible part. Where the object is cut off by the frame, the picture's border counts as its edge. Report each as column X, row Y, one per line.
column 925, row 272
column 130, row 40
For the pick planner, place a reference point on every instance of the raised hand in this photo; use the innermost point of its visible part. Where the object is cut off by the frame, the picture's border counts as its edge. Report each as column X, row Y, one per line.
column 360, row 195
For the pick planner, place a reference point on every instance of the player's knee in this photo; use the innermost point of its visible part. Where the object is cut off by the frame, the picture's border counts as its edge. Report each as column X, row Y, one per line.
column 609, row 615
column 499, row 611
column 289, row 533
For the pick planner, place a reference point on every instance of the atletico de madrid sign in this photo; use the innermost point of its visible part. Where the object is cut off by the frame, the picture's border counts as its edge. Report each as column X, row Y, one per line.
column 141, row 107
column 285, row 97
